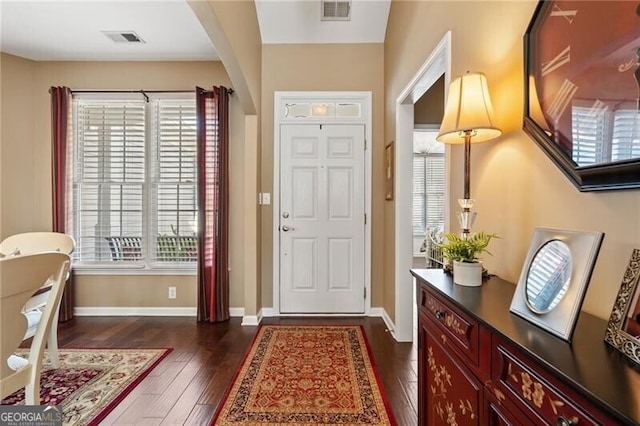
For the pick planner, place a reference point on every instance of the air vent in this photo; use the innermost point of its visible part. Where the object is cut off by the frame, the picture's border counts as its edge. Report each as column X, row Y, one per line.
column 123, row 36
column 336, row 10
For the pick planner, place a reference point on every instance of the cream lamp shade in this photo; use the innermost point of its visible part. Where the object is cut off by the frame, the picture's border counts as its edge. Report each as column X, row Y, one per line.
column 468, row 109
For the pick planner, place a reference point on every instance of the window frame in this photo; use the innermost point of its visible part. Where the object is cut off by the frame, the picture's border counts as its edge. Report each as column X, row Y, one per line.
column 149, row 265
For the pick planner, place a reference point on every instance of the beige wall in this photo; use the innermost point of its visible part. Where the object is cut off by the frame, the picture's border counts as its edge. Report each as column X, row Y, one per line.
column 515, row 186
column 17, row 169
column 429, row 109
column 313, row 67
column 27, row 206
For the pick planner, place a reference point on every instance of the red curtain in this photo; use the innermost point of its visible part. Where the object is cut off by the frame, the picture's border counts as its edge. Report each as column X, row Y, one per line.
column 212, row 108
column 60, row 132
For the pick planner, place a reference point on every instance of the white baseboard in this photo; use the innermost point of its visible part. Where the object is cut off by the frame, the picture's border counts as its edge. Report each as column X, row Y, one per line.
column 268, row 312
column 247, row 320
column 252, row 320
column 376, row 312
column 390, row 325
column 236, row 312
column 99, row 311
column 104, row 311
column 382, row 313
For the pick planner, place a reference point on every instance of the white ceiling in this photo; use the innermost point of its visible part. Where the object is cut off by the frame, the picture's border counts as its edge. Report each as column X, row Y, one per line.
column 72, row 29
column 291, row 21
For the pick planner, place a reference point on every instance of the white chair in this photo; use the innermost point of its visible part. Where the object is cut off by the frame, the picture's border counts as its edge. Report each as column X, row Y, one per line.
column 20, row 277
column 36, row 242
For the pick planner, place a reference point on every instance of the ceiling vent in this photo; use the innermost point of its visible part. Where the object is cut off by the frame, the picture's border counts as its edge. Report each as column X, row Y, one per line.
column 336, row 10
column 123, row 36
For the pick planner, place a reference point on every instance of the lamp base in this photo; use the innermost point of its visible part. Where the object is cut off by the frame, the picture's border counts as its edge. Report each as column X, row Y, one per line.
column 466, row 217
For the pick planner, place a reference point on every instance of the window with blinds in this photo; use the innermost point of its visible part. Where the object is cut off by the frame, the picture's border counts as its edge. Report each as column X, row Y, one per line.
column 134, row 189
column 601, row 135
column 590, row 131
column 428, row 182
column 428, row 192
column 626, row 135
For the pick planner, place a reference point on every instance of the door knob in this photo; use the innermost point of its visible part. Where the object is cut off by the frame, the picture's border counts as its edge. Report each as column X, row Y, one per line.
column 287, row 228
column 285, row 215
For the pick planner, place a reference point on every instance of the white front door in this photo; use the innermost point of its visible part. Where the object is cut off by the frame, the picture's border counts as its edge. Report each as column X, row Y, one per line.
column 322, row 228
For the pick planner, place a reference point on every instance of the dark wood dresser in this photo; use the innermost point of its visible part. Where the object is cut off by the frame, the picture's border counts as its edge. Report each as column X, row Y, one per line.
column 478, row 364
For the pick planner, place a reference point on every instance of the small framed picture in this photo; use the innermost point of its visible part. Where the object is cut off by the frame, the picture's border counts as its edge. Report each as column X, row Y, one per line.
column 623, row 330
column 388, row 168
column 554, row 278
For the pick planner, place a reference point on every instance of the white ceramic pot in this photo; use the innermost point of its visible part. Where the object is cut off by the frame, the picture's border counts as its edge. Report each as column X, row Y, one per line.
column 467, row 274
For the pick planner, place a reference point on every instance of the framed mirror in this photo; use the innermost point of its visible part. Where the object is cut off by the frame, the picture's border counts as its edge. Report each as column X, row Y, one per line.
column 582, row 83
column 623, row 330
column 554, row 278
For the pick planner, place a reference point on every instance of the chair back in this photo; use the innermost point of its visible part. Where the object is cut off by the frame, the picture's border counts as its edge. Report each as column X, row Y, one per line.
column 35, row 242
column 20, row 277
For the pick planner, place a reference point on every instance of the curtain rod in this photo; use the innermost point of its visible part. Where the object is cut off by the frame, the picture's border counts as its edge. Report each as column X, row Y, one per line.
column 143, row 92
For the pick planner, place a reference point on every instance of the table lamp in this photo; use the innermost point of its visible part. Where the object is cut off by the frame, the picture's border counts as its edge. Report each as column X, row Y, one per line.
column 468, row 118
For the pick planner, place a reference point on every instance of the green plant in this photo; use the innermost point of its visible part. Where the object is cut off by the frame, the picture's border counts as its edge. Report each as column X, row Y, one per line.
column 456, row 248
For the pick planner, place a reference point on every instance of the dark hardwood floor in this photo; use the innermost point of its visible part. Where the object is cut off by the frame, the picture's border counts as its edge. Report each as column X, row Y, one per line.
column 187, row 386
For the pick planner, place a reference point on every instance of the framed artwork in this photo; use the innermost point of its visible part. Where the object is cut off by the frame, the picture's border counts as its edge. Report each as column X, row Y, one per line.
column 623, row 329
column 554, row 278
column 388, row 169
column 582, row 90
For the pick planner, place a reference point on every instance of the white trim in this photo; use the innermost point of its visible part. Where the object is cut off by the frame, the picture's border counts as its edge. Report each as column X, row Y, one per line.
column 252, row 320
column 382, row 313
column 114, row 311
column 338, row 315
column 268, row 312
column 236, row 312
column 438, row 63
column 390, row 325
column 376, row 312
column 280, row 98
column 117, row 271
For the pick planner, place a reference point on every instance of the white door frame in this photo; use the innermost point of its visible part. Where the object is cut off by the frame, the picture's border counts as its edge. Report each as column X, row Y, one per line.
column 437, row 64
column 280, row 117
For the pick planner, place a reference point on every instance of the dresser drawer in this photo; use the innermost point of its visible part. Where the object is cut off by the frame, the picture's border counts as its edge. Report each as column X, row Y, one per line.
column 530, row 388
column 458, row 329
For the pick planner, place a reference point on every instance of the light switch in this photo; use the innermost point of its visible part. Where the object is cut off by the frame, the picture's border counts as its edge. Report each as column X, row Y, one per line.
column 264, row 198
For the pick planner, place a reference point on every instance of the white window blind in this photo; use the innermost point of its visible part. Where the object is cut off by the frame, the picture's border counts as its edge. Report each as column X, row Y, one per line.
column 110, row 175
column 590, row 131
column 626, row 135
column 174, row 180
column 604, row 136
column 428, row 192
column 135, row 181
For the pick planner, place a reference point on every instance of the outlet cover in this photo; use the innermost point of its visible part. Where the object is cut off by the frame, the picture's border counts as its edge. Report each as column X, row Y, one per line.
column 172, row 292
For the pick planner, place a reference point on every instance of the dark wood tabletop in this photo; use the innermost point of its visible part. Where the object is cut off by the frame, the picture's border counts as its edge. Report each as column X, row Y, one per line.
column 597, row 371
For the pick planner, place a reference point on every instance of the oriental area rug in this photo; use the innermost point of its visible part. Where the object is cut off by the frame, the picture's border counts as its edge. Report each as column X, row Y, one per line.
column 306, row 375
column 91, row 382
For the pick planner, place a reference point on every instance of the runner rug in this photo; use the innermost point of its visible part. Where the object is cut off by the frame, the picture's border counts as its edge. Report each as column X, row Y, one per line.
column 91, row 382
column 306, row 375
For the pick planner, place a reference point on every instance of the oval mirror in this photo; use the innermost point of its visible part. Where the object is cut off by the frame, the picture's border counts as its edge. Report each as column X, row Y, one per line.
column 548, row 276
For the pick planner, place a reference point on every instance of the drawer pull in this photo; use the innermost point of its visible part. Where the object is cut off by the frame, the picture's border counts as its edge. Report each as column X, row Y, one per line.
column 563, row 421
column 439, row 314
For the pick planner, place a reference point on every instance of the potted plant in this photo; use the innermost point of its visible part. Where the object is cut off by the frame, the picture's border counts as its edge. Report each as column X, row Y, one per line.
column 463, row 253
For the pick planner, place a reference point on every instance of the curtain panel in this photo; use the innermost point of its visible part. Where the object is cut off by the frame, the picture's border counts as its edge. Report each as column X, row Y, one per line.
column 212, row 110
column 61, row 174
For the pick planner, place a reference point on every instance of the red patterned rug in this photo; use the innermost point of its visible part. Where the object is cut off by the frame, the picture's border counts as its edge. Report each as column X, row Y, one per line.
column 306, row 375
column 91, row 382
